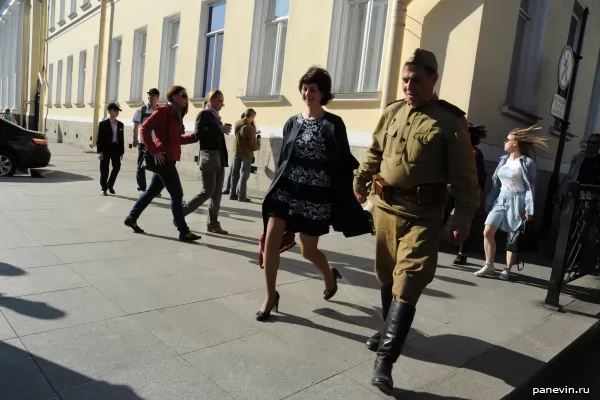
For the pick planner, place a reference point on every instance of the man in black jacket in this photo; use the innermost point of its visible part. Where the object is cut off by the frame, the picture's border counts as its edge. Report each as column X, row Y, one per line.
column 110, row 145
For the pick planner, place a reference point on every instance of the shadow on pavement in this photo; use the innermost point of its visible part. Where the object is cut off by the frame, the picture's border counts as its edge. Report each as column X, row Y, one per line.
column 401, row 394
column 47, row 176
column 11, row 270
column 21, row 378
column 232, row 213
column 34, row 309
column 588, row 295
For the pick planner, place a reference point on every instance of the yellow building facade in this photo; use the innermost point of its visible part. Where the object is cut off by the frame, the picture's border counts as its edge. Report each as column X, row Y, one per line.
column 498, row 62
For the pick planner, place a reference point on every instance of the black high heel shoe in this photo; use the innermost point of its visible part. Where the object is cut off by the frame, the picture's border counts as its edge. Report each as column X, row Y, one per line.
column 265, row 315
column 328, row 294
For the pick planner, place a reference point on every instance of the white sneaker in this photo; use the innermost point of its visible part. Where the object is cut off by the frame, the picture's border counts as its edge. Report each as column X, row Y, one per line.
column 488, row 269
column 505, row 275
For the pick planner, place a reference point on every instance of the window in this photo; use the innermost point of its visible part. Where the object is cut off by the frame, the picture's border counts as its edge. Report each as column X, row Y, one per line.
column 573, row 41
column 73, row 11
column 52, row 6
column 210, row 46
column 58, row 83
column 69, row 87
column 61, row 16
column 81, row 76
column 49, row 81
column 526, row 57
column 356, row 50
column 94, row 75
column 115, row 70
column 139, row 63
column 86, row 5
column 593, row 117
column 168, row 60
column 270, row 31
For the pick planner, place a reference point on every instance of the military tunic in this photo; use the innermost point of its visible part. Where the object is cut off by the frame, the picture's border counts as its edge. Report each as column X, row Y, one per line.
column 415, row 146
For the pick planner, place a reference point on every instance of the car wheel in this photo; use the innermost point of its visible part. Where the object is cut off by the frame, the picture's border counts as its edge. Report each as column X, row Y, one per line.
column 8, row 163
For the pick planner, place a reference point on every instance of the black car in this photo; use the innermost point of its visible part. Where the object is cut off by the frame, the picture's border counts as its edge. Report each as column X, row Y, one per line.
column 21, row 149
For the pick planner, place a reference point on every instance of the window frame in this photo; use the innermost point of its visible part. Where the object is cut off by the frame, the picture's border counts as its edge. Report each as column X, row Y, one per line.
column 114, row 78
column 337, row 46
column 69, row 82
column 166, row 47
column 58, row 97
column 73, row 10
column 202, row 52
column 521, row 85
column 81, row 78
column 140, row 47
column 592, row 124
column 52, row 16
column 262, row 19
column 49, row 83
column 94, row 77
column 62, row 12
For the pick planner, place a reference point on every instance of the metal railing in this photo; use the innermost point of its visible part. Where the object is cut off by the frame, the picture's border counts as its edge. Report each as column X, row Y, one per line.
column 578, row 246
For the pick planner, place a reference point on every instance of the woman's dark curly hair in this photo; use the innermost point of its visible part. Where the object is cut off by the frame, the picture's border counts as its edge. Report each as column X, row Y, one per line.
column 477, row 132
column 320, row 77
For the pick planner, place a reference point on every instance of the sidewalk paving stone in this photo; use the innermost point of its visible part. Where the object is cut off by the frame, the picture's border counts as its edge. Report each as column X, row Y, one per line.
column 107, row 314
column 55, row 310
column 20, row 378
column 78, row 354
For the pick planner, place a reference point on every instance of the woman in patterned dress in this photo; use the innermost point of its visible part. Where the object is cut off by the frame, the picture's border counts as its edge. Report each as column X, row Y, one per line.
column 312, row 188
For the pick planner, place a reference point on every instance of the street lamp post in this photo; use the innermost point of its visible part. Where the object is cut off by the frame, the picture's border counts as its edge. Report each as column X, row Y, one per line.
column 564, row 127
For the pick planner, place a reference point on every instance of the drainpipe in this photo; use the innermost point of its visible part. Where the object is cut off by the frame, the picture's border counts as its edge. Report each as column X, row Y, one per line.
column 25, row 47
column 41, row 66
column 99, row 71
column 393, row 51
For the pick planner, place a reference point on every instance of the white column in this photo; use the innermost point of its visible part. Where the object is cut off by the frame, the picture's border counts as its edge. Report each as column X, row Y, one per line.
column 18, row 56
column 3, row 46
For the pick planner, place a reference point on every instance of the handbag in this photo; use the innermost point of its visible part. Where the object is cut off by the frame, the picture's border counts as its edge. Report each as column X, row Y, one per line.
column 149, row 160
column 521, row 241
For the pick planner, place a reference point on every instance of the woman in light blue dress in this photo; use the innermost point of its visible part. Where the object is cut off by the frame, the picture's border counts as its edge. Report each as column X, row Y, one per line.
column 511, row 200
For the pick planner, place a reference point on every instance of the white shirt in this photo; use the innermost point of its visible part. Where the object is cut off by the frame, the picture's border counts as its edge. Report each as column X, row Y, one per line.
column 114, row 127
column 511, row 176
column 137, row 118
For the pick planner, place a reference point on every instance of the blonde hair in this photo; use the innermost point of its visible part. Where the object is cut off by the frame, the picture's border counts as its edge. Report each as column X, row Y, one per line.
column 211, row 95
column 527, row 139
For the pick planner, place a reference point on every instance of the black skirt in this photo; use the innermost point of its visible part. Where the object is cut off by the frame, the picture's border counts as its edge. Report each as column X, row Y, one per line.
column 303, row 195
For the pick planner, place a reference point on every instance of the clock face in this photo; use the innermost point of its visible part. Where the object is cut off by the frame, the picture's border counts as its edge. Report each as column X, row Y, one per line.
column 565, row 68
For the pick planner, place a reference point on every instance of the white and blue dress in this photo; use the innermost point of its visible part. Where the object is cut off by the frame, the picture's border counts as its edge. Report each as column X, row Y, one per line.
column 512, row 193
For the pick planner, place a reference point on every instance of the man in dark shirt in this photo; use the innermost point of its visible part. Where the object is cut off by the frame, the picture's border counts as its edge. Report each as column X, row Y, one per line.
column 589, row 173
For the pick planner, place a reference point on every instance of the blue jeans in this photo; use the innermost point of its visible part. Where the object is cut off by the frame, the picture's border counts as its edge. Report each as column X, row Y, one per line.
column 165, row 179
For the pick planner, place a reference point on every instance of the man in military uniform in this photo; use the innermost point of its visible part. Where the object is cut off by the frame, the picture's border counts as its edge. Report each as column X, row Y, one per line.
column 420, row 145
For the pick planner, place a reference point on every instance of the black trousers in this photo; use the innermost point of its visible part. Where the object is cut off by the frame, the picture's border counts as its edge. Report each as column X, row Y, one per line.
column 112, row 157
column 140, row 173
column 464, row 247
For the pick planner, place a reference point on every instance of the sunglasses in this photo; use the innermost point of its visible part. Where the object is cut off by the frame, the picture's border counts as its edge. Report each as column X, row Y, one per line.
column 508, row 140
column 183, row 94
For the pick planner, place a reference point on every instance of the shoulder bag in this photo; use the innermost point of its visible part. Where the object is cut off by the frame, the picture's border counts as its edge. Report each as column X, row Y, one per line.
column 521, row 241
column 149, row 160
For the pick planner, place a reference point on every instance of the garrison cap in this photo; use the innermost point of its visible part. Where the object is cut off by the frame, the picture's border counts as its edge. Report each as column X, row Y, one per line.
column 424, row 57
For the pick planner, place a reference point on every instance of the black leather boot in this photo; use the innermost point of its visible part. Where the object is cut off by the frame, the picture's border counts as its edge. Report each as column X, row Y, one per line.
column 386, row 300
column 397, row 325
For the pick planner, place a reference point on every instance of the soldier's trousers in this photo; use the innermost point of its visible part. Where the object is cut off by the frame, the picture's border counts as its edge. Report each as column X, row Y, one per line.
column 406, row 253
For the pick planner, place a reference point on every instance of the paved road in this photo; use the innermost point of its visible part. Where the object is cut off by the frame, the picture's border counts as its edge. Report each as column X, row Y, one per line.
column 90, row 310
